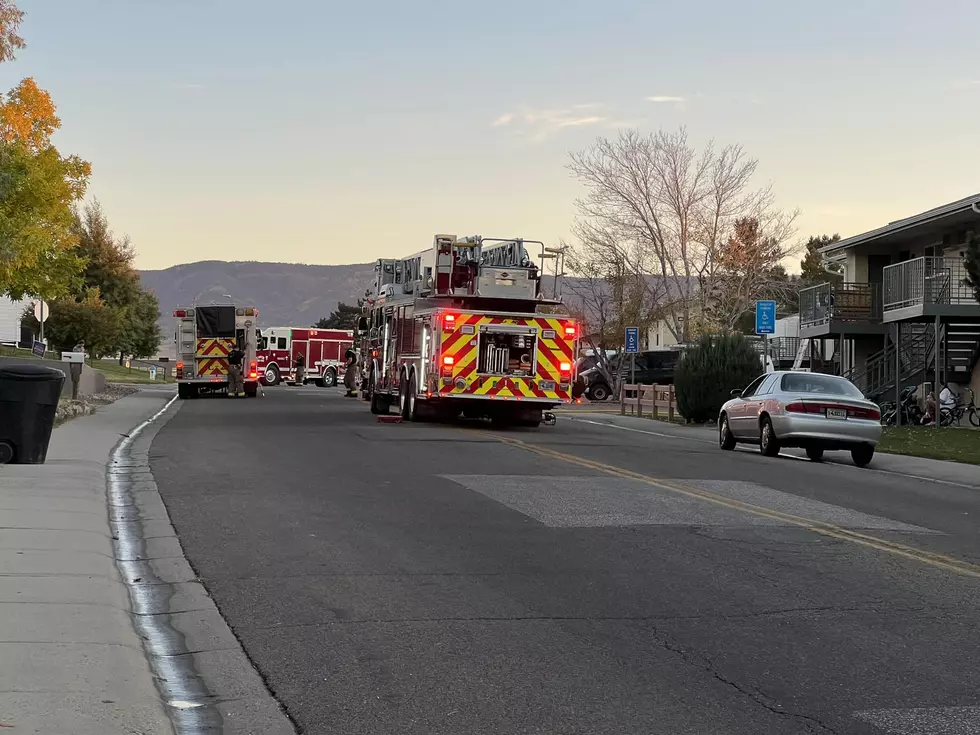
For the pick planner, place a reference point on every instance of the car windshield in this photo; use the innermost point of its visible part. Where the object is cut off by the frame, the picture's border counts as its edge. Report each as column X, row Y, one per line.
column 823, row 384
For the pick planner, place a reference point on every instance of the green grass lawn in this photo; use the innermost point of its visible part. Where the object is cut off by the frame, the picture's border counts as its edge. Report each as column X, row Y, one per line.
column 116, row 373
column 952, row 444
column 14, row 352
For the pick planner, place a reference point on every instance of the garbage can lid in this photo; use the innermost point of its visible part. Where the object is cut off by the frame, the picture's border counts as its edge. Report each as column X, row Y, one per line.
column 28, row 372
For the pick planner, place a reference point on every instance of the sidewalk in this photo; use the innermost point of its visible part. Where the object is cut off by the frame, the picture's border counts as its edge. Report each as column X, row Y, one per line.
column 928, row 469
column 72, row 661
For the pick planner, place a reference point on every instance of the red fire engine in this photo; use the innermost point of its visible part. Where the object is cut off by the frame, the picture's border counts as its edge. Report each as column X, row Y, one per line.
column 464, row 328
column 322, row 349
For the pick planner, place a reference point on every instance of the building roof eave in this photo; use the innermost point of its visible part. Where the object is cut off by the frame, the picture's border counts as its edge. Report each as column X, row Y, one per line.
column 938, row 213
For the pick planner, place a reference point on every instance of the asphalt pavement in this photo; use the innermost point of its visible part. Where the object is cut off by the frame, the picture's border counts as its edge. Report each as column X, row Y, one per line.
column 419, row 578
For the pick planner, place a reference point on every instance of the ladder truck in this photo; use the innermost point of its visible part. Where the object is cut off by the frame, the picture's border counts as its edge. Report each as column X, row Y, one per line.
column 464, row 328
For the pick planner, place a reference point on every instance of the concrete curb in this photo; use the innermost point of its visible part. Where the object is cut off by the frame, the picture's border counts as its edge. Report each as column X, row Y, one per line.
column 205, row 678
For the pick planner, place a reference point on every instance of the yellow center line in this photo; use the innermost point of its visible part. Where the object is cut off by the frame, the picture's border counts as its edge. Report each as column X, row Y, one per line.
column 939, row 561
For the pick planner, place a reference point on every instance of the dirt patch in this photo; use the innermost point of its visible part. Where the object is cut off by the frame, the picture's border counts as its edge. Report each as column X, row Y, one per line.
column 69, row 409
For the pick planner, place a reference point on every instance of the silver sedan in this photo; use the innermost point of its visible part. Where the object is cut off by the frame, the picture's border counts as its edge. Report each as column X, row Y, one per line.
column 799, row 409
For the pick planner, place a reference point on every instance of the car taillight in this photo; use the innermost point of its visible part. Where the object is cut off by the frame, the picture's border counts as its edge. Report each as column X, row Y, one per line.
column 854, row 412
column 865, row 413
column 252, row 371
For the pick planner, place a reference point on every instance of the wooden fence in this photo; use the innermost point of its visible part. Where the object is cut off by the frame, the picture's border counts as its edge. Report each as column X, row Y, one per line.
column 655, row 401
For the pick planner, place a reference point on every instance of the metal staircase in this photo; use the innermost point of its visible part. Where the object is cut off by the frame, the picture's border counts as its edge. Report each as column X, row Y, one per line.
column 960, row 348
column 877, row 376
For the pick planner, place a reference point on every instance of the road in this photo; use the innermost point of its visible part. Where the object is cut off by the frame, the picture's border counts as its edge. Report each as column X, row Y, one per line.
column 573, row 579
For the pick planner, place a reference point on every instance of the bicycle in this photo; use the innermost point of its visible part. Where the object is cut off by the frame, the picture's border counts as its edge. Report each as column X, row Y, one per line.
column 955, row 414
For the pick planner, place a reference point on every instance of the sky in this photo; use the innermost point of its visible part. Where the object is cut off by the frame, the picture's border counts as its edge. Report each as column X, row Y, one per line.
column 332, row 132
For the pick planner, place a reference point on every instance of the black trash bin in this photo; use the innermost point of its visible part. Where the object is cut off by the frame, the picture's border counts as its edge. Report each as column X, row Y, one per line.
column 28, row 401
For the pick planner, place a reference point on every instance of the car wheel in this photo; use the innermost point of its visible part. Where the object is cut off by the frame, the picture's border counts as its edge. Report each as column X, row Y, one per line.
column 599, row 392
column 726, row 440
column 272, row 375
column 814, row 453
column 768, row 443
column 863, row 455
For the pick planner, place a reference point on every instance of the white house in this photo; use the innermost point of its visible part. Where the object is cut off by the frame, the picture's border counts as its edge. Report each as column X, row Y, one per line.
column 10, row 314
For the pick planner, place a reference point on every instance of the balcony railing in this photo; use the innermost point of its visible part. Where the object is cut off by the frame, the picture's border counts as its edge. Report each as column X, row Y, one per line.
column 849, row 302
column 929, row 281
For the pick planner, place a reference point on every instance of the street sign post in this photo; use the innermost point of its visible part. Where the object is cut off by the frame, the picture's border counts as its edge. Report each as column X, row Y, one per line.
column 765, row 324
column 765, row 317
column 632, row 340
column 632, row 347
column 41, row 312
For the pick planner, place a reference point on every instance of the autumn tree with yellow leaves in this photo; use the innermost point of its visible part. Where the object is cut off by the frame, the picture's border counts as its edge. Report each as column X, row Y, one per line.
column 38, row 186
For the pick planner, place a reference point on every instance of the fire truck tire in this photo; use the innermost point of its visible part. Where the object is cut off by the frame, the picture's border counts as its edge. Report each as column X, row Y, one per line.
column 403, row 398
column 330, row 378
column 412, row 409
column 379, row 402
column 272, row 376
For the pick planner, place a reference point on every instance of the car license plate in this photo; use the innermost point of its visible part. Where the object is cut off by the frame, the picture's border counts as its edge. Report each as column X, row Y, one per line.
column 837, row 413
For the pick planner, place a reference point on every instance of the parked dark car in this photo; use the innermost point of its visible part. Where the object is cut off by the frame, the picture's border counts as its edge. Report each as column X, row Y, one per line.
column 655, row 367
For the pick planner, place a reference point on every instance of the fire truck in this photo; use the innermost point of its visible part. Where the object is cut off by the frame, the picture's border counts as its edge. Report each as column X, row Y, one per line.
column 205, row 336
column 464, row 328
column 322, row 349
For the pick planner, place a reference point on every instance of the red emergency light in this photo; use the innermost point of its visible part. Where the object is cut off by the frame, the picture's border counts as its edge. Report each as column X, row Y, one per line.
column 180, row 313
column 565, row 367
column 252, row 372
column 448, row 360
column 570, row 331
column 180, row 370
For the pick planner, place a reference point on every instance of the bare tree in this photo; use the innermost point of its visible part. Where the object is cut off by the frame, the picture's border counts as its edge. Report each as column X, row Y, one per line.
column 10, row 18
column 609, row 297
column 664, row 212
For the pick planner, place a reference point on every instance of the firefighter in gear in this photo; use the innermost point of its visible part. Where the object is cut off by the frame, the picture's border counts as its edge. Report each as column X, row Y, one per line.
column 300, row 366
column 236, row 381
column 350, row 358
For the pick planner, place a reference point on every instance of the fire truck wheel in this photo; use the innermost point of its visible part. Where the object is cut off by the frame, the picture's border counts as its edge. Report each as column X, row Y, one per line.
column 412, row 408
column 272, row 376
column 403, row 396
column 379, row 403
column 330, row 378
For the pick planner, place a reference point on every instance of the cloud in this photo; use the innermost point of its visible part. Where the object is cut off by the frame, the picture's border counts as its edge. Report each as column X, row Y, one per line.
column 191, row 86
column 542, row 124
column 661, row 99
